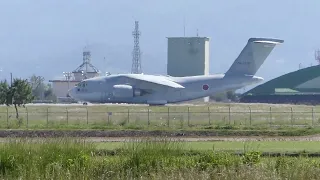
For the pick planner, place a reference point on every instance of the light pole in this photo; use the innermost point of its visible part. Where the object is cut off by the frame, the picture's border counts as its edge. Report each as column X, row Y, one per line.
column 84, row 74
column 67, row 75
column 1, row 74
column 39, row 81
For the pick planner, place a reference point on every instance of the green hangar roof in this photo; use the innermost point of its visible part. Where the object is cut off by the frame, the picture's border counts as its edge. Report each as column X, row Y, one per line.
column 305, row 80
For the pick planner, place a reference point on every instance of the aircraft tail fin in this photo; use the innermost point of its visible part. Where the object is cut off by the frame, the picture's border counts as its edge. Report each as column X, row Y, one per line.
column 252, row 56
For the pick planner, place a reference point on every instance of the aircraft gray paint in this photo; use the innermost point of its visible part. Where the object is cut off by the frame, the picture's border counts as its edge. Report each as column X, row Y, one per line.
column 160, row 90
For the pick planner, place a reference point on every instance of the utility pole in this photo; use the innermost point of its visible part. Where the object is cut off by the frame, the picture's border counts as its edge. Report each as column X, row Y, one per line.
column 11, row 88
column 68, row 76
column 39, row 82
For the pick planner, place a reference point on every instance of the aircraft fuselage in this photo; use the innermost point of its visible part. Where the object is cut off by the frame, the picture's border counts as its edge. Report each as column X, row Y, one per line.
column 156, row 90
column 101, row 90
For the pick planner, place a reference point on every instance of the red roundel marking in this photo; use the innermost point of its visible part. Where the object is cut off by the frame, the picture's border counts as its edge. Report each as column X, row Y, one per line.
column 205, row 87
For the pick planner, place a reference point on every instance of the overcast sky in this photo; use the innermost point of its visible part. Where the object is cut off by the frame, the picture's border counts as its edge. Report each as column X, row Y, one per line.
column 46, row 37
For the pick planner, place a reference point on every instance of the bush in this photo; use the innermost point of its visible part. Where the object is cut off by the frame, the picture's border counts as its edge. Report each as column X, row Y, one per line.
column 158, row 158
column 39, row 156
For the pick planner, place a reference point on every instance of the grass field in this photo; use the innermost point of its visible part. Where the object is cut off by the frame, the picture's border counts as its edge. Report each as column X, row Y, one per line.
column 148, row 159
column 172, row 117
column 263, row 146
column 60, row 158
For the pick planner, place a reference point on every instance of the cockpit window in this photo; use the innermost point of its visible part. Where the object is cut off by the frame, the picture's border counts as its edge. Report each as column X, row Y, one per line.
column 82, row 85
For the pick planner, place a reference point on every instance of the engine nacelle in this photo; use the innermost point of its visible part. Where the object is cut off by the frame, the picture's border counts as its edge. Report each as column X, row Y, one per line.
column 125, row 91
column 122, row 91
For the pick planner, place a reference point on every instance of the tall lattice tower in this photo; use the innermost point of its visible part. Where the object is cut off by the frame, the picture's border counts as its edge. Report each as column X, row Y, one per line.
column 317, row 56
column 136, row 54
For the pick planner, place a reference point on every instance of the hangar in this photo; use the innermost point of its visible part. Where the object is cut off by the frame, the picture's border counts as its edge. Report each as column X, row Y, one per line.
column 298, row 87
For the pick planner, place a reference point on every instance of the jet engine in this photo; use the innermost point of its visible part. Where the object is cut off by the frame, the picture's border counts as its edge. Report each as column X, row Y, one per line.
column 125, row 91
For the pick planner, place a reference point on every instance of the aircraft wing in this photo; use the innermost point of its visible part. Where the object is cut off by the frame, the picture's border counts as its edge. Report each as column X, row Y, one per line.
column 145, row 80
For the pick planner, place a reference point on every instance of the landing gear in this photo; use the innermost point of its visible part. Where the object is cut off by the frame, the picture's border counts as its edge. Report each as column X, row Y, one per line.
column 85, row 103
column 156, row 104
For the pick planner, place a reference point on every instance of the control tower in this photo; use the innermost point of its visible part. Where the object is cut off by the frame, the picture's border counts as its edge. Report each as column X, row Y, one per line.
column 188, row 56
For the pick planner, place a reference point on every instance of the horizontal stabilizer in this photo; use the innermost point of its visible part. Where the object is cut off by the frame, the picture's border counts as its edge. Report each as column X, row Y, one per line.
column 252, row 56
column 266, row 40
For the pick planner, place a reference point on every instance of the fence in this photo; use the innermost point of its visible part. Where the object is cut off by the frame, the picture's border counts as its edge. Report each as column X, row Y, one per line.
column 154, row 117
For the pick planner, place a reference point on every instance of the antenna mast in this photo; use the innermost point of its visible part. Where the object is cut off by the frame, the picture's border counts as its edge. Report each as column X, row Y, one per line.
column 136, row 54
column 184, row 26
column 317, row 56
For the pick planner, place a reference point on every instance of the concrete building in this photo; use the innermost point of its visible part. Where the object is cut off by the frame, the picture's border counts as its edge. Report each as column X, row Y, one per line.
column 188, row 56
column 60, row 87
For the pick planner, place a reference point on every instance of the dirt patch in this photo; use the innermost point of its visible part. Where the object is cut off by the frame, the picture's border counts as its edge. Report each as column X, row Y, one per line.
column 207, row 139
column 95, row 133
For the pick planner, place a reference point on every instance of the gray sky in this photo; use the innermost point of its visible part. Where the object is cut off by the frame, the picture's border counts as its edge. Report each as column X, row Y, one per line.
column 47, row 37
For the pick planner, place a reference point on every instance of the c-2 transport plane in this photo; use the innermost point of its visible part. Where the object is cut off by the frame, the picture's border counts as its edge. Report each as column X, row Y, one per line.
column 160, row 90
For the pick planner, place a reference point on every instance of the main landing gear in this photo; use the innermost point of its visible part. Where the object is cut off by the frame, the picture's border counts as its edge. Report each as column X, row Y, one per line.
column 85, row 103
column 157, row 104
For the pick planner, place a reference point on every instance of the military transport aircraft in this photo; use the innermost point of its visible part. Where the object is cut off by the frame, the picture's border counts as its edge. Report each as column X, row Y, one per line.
column 160, row 90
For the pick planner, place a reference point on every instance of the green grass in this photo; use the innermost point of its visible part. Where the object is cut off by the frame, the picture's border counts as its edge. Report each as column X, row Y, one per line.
column 264, row 146
column 170, row 117
column 124, row 131
column 146, row 159
column 218, row 119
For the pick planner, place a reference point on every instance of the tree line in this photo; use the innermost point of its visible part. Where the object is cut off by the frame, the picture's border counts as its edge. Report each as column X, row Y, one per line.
column 22, row 91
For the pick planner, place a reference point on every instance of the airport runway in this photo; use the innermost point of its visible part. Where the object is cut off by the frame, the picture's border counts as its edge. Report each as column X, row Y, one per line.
column 146, row 105
column 107, row 104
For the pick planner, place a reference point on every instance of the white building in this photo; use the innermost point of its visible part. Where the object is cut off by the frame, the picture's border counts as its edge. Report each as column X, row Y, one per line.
column 60, row 87
column 188, row 56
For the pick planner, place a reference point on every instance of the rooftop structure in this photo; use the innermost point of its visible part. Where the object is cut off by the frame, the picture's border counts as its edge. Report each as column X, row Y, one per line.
column 86, row 69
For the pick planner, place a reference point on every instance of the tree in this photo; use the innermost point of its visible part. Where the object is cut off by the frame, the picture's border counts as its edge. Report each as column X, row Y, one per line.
column 4, row 88
column 231, row 95
column 20, row 93
column 38, row 86
column 48, row 93
column 40, row 90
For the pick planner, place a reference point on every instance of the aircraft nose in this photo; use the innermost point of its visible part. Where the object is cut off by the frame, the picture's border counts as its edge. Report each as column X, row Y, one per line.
column 71, row 92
